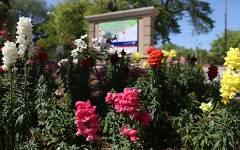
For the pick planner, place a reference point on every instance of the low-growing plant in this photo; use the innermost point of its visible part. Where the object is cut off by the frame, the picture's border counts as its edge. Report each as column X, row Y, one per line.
column 218, row 129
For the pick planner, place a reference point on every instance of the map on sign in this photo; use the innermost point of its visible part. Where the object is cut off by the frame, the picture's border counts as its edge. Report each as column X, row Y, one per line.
column 126, row 32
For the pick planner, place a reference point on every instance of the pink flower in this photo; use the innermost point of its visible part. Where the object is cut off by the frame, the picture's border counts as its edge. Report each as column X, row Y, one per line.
column 87, row 120
column 109, row 98
column 1, row 69
column 125, row 102
column 182, row 60
column 129, row 133
column 144, row 118
column 4, row 33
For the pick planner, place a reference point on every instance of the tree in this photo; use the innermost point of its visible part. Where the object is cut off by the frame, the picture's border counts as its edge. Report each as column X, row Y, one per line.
column 64, row 24
column 170, row 13
column 35, row 9
column 4, row 6
column 217, row 51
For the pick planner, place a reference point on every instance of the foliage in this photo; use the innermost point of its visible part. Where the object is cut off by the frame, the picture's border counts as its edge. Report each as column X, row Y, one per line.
column 112, row 124
column 55, row 120
column 166, row 91
column 218, row 129
column 35, row 9
column 217, row 51
column 62, row 26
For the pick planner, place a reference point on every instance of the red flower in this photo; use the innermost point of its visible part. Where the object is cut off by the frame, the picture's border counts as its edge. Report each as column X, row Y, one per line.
column 86, row 63
column 42, row 55
column 212, row 72
column 4, row 34
column 144, row 118
column 129, row 133
column 1, row 69
column 150, row 49
column 114, row 58
column 87, row 120
column 155, row 57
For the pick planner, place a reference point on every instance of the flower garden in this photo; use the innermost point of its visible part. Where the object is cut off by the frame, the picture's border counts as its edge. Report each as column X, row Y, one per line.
column 100, row 98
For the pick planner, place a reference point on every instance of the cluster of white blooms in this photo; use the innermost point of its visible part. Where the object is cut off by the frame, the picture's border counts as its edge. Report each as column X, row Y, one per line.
column 62, row 61
column 96, row 44
column 24, row 36
column 9, row 52
column 80, row 46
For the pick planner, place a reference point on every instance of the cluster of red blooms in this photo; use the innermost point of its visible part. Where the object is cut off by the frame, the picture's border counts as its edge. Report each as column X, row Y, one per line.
column 129, row 133
column 87, row 120
column 212, row 72
column 87, row 63
column 155, row 57
column 3, row 30
column 128, row 103
column 41, row 54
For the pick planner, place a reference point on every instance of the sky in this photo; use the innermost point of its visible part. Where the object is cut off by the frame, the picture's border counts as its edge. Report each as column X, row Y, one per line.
column 186, row 37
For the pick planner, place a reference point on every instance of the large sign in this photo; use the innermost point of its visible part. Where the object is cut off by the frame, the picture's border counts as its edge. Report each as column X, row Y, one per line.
column 125, row 31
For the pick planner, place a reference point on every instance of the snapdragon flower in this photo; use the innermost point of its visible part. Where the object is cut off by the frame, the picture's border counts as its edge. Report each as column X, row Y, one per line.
column 230, row 86
column 206, row 107
column 232, row 60
column 80, row 46
column 24, row 37
column 9, row 52
column 87, row 120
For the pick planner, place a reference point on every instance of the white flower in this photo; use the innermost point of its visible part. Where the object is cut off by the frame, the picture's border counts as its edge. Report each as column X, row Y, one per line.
column 59, row 92
column 62, row 61
column 80, row 46
column 74, row 53
column 75, row 61
column 9, row 52
column 24, row 36
column 112, row 50
column 84, row 36
column 96, row 44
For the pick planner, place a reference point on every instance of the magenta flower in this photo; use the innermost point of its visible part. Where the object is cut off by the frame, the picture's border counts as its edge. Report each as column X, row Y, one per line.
column 129, row 133
column 87, row 120
column 144, row 118
column 126, row 102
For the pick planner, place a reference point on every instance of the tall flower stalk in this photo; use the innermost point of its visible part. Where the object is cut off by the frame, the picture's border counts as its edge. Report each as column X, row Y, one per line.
column 24, row 38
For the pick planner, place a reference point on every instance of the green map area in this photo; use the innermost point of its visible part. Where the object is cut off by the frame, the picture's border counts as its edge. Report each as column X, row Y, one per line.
column 117, row 26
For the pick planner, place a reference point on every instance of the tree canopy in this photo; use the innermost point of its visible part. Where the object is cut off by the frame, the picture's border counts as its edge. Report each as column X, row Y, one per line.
column 64, row 23
column 35, row 9
column 217, row 51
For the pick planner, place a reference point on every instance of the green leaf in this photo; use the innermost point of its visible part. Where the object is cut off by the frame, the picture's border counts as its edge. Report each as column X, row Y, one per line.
column 215, row 146
column 19, row 121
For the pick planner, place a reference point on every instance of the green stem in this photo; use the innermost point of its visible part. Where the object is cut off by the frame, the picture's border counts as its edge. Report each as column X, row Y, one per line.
column 11, row 85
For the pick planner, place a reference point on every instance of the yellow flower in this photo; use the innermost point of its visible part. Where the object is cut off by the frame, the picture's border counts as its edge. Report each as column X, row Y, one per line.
column 145, row 64
column 173, row 53
column 206, row 107
column 137, row 56
column 165, row 53
column 232, row 60
column 230, row 85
